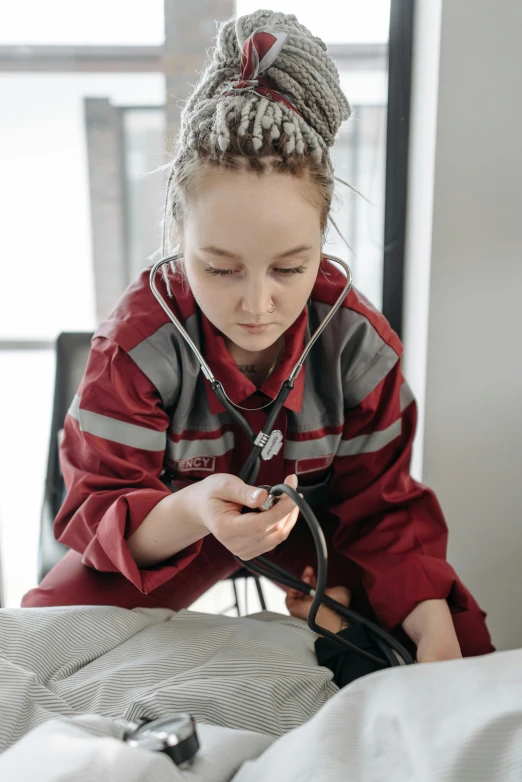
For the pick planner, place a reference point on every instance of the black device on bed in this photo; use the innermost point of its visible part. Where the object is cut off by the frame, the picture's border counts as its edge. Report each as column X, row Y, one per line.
column 175, row 735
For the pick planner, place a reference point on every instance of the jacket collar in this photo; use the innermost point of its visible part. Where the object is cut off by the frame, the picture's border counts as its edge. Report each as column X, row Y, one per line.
column 237, row 386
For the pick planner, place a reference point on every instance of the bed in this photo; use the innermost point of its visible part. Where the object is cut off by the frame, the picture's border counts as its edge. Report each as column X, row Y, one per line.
column 265, row 710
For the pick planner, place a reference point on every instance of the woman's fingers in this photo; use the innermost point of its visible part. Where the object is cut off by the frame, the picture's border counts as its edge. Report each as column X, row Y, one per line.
column 257, row 533
column 284, row 505
column 276, row 520
column 230, row 488
column 282, row 531
column 279, row 513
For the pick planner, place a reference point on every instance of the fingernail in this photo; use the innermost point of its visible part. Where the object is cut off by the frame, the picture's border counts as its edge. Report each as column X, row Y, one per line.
column 255, row 494
column 294, row 481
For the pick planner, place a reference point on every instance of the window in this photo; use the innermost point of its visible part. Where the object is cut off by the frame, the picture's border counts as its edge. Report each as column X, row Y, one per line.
column 53, row 57
column 96, row 23
column 47, row 277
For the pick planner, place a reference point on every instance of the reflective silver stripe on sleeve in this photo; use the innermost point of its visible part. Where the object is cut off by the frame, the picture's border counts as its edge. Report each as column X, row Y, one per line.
column 370, row 443
column 311, row 449
column 157, row 359
column 117, row 431
column 365, row 357
column 407, row 396
column 361, row 386
column 187, row 449
column 74, row 410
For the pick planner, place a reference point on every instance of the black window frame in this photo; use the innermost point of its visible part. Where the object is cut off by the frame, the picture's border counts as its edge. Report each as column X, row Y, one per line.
column 400, row 50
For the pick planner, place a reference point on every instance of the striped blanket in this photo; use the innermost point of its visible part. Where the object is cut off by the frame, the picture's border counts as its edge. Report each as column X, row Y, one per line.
column 253, row 678
column 265, row 710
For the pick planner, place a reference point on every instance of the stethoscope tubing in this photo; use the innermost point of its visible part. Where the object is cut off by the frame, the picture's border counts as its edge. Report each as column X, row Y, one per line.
column 204, row 366
column 264, row 567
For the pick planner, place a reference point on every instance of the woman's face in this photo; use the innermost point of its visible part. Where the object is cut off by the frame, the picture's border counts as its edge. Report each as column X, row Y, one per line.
column 251, row 243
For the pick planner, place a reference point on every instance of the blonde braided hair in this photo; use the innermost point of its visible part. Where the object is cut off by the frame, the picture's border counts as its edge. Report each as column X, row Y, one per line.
column 249, row 130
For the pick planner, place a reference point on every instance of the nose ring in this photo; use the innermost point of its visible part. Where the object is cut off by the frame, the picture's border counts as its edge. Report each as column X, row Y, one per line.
column 273, row 308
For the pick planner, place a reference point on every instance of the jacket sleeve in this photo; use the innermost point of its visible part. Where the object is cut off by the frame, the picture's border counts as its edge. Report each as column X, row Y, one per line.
column 112, row 457
column 391, row 526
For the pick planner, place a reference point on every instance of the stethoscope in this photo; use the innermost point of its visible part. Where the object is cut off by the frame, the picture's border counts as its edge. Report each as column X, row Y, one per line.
column 266, row 444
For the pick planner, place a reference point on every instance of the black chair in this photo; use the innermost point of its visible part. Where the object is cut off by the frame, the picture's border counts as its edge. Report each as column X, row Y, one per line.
column 246, row 574
column 72, row 350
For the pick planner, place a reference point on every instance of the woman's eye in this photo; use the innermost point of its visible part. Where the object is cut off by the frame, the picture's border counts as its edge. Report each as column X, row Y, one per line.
column 293, row 270
column 218, row 272
column 222, row 272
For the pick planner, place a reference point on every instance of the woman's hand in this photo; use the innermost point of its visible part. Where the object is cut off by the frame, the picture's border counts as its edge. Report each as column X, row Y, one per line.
column 216, row 503
column 431, row 628
column 298, row 603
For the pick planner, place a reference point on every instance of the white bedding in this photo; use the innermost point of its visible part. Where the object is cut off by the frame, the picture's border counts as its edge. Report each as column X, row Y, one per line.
column 265, row 710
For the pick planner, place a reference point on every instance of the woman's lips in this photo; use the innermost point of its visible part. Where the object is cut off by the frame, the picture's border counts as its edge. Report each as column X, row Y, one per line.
column 253, row 329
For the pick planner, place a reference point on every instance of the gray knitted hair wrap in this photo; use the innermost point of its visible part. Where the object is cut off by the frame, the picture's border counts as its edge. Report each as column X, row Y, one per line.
column 302, row 70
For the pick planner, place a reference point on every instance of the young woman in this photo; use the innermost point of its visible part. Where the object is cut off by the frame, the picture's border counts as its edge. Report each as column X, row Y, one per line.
column 150, row 458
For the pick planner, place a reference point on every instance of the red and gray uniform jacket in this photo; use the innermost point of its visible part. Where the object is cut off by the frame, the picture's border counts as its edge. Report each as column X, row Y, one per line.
column 144, row 408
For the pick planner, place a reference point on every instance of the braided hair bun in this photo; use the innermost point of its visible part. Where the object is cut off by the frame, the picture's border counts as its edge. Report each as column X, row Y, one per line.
column 219, row 120
column 269, row 98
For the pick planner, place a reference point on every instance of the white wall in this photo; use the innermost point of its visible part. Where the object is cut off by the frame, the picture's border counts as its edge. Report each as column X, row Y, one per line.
column 473, row 404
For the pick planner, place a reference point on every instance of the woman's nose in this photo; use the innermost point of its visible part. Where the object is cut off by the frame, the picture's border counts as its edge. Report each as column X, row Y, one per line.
column 257, row 299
